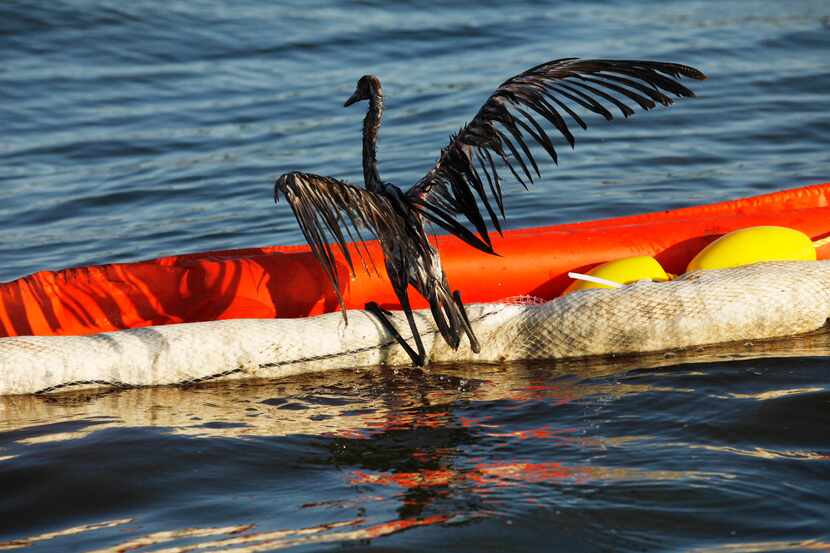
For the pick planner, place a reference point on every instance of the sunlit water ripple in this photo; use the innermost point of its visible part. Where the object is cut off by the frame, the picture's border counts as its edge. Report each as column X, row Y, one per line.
column 133, row 130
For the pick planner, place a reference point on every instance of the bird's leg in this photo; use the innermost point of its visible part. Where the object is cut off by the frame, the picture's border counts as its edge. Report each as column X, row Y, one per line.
column 468, row 330
column 383, row 316
column 416, row 335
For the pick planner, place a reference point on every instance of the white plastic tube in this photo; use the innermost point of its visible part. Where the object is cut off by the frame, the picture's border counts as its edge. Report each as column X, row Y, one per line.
column 595, row 280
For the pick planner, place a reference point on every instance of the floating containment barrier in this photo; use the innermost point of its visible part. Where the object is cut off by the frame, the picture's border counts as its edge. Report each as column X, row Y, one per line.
column 752, row 302
column 266, row 312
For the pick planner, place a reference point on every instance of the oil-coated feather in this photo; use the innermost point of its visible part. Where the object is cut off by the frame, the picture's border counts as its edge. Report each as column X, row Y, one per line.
column 510, row 119
column 326, row 207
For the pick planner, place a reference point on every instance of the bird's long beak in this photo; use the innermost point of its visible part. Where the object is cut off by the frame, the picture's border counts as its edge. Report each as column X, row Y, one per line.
column 352, row 99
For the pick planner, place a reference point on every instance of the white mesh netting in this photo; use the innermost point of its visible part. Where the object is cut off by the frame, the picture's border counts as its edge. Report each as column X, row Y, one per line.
column 747, row 303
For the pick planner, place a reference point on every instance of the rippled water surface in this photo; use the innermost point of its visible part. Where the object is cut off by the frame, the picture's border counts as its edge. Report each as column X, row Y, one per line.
column 138, row 129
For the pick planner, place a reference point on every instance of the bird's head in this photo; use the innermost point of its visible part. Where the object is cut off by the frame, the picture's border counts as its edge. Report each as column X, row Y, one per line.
column 367, row 86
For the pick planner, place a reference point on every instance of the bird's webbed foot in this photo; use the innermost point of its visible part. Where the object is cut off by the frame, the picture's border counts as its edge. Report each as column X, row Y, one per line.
column 474, row 345
column 383, row 315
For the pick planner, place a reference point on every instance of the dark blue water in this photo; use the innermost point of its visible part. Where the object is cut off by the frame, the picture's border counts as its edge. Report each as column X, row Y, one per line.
column 137, row 129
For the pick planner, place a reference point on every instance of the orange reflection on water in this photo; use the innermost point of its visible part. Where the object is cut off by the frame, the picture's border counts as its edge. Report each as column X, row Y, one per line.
column 407, row 420
column 498, row 474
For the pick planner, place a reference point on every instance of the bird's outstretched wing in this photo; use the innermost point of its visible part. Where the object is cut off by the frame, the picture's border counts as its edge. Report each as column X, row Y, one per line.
column 498, row 134
column 331, row 212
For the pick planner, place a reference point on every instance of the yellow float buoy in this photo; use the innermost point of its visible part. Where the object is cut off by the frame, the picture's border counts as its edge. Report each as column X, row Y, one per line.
column 621, row 271
column 752, row 245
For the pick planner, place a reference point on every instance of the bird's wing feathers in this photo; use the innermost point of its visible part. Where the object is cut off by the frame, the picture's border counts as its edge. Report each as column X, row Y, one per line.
column 467, row 171
column 332, row 212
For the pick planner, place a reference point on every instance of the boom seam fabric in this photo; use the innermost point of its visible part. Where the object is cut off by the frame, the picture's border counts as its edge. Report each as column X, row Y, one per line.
column 117, row 384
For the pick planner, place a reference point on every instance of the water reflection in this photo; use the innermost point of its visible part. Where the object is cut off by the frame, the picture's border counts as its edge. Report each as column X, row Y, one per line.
column 237, row 539
column 414, row 443
column 396, row 449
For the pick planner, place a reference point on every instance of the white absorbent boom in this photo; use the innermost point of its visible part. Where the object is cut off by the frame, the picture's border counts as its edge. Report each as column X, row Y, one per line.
column 754, row 302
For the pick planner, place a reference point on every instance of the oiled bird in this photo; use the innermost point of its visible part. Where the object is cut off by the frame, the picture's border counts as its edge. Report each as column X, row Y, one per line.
column 465, row 178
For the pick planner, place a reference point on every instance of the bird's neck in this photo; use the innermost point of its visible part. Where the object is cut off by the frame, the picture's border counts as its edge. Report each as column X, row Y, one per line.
column 371, row 126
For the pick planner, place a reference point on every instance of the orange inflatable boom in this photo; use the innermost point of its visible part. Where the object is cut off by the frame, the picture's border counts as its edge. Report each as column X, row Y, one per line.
column 288, row 282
